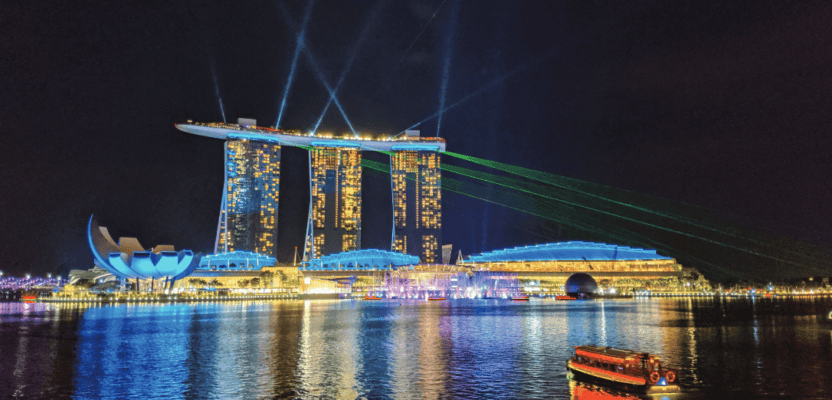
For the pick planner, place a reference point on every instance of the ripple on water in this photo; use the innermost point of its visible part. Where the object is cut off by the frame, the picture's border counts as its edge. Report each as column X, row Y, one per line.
column 404, row 349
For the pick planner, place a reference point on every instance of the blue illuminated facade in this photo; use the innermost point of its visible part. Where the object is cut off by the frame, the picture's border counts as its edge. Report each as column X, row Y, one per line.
column 235, row 261
column 249, row 207
column 368, row 259
column 334, row 223
column 248, row 215
column 416, row 183
column 563, row 251
column 128, row 260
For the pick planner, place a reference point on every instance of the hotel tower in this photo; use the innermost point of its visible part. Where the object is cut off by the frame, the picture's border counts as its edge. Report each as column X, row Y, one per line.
column 248, row 216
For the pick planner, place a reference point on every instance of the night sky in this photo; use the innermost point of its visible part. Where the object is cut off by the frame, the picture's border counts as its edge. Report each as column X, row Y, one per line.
column 721, row 104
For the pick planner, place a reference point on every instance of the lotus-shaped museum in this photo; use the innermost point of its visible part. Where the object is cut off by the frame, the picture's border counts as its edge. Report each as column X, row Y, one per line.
column 128, row 259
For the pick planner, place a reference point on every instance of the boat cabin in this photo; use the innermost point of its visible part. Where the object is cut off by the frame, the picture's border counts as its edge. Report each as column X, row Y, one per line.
column 622, row 362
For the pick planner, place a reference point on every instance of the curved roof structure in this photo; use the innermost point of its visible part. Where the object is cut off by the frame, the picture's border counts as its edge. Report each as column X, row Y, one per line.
column 568, row 251
column 128, row 259
column 236, row 261
column 234, row 131
column 368, row 259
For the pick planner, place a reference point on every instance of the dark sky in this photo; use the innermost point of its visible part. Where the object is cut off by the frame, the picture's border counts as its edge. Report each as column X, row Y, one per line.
column 722, row 104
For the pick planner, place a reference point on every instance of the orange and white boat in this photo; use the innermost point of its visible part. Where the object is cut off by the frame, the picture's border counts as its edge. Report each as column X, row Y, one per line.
column 623, row 369
column 29, row 298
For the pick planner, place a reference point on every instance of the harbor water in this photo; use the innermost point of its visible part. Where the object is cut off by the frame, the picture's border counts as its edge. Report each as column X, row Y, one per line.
column 346, row 349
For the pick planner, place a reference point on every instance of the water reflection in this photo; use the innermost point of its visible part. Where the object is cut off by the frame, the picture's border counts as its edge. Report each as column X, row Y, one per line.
column 585, row 391
column 403, row 349
column 37, row 343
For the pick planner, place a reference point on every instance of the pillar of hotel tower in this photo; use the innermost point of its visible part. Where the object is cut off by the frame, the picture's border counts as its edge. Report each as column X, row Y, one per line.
column 334, row 223
column 248, row 216
column 417, row 204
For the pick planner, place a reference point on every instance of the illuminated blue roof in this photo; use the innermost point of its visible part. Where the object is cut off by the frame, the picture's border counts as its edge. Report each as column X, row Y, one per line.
column 236, row 261
column 129, row 260
column 568, row 251
column 368, row 259
column 231, row 131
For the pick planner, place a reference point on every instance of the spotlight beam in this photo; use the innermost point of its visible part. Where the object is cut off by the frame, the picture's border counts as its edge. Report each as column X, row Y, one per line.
column 384, row 82
column 212, row 64
column 298, row 47
column 217, row 89
column 349, row 64
column 332, row 95
column 466, row 98
column 544, row 56
column 446, row 70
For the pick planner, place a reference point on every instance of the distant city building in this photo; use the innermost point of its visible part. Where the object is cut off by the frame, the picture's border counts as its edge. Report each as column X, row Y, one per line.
column 447, row 250
column 334, row 223
column 248, row 215
column 417, row 204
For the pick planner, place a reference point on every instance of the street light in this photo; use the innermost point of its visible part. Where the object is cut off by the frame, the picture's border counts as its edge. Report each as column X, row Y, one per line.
column 28, row 276
column 49, row 275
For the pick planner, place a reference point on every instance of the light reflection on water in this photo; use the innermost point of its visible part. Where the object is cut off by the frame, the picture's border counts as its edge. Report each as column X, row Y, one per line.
column 392, row 349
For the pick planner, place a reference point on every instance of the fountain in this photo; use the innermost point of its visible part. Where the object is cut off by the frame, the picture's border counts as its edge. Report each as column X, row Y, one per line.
column 409, row 284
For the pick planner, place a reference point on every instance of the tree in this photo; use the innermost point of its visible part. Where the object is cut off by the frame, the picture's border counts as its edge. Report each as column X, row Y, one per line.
column 267, row 278
column 215, row 283
column 255, row 282
column 197, row 283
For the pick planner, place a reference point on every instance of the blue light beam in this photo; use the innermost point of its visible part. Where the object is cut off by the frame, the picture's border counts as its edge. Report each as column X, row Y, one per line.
column 446, row 70
column 217, row 89
column 349, row 64
column 531, row 64
column 466, row 98
column 332, row 96
column 213, row 65
column 299, row 46
column 384, row 82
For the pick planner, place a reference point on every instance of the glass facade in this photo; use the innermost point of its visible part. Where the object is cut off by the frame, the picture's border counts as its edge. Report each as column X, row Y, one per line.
column 417, row 204
column 248, row 217
column 334, row 224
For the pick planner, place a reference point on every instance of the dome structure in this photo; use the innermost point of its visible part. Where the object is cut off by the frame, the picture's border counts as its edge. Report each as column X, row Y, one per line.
column 129, row 260
column 575, row 250
column 367, row 259
column 580, row 285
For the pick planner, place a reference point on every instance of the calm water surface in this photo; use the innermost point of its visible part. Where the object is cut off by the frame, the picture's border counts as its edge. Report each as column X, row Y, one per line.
column 735, row 348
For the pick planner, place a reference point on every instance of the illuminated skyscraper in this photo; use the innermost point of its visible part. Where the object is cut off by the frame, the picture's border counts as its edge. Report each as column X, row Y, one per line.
column 417, row 203
column 248, row 217
column 335, row 204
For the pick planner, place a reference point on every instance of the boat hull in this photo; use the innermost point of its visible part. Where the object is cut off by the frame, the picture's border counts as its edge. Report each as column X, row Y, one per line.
column 589, row 377
column 585, row 375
